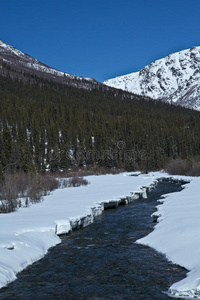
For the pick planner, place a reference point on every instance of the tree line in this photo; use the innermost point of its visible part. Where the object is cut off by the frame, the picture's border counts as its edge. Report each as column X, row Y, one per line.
column 51, row 126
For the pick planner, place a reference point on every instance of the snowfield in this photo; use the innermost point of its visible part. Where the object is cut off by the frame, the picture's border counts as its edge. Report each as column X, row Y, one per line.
column 173, row 79
column 26, row 235
column 177, row 235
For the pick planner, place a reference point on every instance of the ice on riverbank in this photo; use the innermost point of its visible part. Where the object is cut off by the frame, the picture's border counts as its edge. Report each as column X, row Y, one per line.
column 26, row 235
column 177, row 235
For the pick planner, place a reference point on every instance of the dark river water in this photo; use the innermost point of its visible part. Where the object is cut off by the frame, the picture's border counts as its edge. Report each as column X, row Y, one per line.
column 101, row 261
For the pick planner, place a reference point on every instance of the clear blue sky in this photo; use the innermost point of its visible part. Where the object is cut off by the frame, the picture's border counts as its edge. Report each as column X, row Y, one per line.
column 100, row 38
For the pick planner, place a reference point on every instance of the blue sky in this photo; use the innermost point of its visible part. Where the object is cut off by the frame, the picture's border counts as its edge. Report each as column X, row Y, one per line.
column 100, row 38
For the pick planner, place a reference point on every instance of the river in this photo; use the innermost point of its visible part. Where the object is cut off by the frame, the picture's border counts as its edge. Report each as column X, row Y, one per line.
column 101, row 261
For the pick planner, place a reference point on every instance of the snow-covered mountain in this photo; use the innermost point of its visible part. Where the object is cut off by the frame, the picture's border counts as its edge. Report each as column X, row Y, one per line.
column 11, row 55
column 174, row 79
column 19, row 65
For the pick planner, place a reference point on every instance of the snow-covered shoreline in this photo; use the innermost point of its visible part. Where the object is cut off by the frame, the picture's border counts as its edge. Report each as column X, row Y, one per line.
column 177, row 236
column 26, row 235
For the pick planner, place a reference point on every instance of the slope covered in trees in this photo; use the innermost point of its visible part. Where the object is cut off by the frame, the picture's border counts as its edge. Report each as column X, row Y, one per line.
column 54, row 126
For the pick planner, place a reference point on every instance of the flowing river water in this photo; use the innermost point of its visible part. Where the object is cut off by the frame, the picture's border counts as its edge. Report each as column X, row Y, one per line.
column 101, row 261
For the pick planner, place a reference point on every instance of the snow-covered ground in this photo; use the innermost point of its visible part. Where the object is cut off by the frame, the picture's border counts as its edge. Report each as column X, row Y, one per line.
column 26, row 235
column 177, row 235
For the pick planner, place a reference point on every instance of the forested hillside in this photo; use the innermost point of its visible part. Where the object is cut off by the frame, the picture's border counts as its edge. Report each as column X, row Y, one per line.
column 50, row 126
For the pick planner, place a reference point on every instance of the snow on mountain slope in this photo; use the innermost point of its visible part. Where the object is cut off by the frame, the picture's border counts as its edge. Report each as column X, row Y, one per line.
column 174, row 79
column 22, row 62
column 7, row 52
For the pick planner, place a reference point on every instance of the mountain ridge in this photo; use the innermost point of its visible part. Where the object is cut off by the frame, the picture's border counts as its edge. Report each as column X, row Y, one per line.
column 29, row 61
column 174, row 79
column 16, row 64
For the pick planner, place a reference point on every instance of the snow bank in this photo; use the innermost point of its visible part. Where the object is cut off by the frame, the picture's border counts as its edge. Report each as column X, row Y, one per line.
column 26, row 235
column 177, row 235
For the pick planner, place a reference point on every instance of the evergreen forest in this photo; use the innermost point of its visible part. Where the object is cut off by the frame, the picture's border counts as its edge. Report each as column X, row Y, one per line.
column 51, row 126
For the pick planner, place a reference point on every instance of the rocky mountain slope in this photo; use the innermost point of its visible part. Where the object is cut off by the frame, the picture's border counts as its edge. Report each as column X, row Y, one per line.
column 173, row 79
column 16, row 64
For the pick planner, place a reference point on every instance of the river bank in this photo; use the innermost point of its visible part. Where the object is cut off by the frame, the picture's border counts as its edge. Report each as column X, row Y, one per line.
column 102, row 261
column 27, row 234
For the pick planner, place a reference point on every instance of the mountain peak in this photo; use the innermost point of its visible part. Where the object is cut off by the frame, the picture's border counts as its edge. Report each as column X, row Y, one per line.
column 173, row 79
